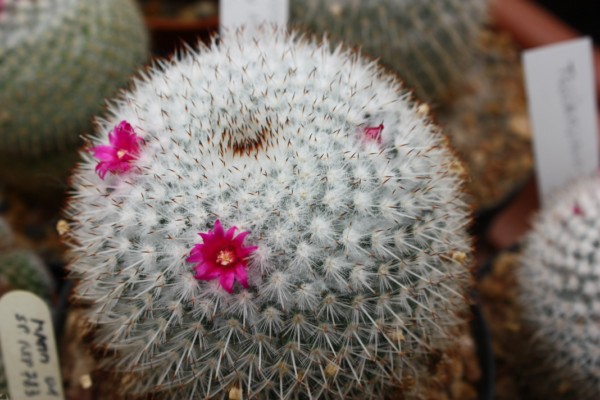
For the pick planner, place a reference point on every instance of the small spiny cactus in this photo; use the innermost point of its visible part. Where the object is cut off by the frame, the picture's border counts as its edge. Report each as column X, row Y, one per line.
column 428, row 43
column 559, row 293
column 59, row 60
column 23, row 269
column 6, row 234
column 333, row 256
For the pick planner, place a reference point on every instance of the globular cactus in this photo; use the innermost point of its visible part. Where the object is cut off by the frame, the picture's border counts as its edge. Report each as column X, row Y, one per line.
column 23, row 269
column 6, row 234
column 59, row 60
column 559, row 293
column 428, row 43
column 332, row 259
column 486, row 122
column 3, row 383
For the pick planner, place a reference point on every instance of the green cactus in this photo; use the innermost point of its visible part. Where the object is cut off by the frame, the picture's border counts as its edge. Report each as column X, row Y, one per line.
column 3, row 383
column 6, row 234
column 428, row 43
column 486, row 122
column 59, row 60
column 23, row 269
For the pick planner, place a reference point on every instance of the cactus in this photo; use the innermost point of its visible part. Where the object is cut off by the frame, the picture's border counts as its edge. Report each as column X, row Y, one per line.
column 3, row 383
column 23, row 269
column 332, row 259
column 59, row 60
column 428, row 43
column 486, row 122
column 559, row 292
column 6, row 234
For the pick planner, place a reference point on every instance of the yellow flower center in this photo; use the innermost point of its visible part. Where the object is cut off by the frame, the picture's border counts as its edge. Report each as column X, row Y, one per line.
column 225, row 257
column 121, row 153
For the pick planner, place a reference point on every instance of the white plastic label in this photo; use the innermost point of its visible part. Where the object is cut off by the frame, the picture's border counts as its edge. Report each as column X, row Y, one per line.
column 28, row 348
column 252, row 13
column 562, row 109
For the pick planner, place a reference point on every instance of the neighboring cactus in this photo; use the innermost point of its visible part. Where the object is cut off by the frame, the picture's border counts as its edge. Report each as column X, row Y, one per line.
column 21, row 268
column 327, row 204
column 428, row 43
column 559, row 293
column 59, row 60
column 6, row 234
column 486, row 122
column 3, row 383
column 25, row 270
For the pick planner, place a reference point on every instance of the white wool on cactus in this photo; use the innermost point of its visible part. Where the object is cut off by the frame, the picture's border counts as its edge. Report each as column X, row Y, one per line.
column 332, row 258
column 559, row 288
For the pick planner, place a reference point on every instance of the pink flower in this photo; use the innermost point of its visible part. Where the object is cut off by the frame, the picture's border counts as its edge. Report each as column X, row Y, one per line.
column 374, row 133
column 223, row 256
column 117, row 157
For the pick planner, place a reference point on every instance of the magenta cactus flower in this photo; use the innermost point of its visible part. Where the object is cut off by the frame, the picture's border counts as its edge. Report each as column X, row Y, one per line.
column 223, row 256
column 374, row 133
column 117, row 157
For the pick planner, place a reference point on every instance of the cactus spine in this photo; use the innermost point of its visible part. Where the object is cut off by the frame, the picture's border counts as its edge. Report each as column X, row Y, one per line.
column 559, row 292
column 353, row 209
column 428, row 43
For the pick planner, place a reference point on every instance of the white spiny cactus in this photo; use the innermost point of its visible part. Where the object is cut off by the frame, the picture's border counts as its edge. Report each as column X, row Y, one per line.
column 358, row 267
column 559, row 282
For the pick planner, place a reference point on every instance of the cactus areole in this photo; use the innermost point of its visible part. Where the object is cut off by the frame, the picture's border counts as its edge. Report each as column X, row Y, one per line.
column 290, row 227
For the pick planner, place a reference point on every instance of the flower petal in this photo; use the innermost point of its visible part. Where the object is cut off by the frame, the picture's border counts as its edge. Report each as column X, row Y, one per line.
column 206, row 272
column 101, row 169
column 103, row 153
column 226, row 281
column 239, row 239
column 241, row 275
column 218, row 229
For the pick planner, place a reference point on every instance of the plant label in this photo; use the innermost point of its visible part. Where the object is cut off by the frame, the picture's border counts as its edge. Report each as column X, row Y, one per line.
column 250, row 14
column 560, row 86
column 28, row 348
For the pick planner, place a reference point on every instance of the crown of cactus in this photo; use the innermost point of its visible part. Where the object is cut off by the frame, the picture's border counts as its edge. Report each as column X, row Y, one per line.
column 428, row 43
column 559, row 282
column 269, row 217
column 59, row 60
